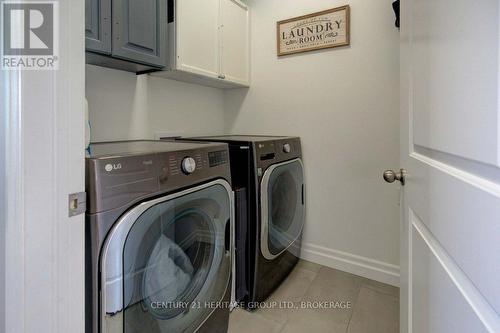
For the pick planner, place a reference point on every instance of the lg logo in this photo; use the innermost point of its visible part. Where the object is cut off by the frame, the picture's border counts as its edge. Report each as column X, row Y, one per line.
column 110, row 167
column 29, row 34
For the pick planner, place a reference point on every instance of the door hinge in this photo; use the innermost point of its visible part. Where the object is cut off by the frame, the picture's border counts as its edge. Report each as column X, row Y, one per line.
column 77, row 203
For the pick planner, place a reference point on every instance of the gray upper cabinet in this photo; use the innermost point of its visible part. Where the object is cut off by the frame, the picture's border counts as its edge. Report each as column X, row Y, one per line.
column 98, row 26
column 140, row 30
column 126, row 34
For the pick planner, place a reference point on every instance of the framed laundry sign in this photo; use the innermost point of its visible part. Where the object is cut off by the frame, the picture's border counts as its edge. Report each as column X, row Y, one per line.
column 321, row 30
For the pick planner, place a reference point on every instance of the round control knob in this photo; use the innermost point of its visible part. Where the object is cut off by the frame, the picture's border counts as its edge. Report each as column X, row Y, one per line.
column 188, row 165
column 287, row 148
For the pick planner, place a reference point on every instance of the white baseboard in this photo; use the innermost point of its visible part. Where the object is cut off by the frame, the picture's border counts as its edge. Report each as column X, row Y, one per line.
column 354, row 264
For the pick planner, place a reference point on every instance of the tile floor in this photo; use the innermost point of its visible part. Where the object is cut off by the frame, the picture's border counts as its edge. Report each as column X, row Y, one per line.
column 374, row 306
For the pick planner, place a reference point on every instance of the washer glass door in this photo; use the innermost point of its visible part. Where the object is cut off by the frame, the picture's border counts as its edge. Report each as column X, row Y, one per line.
column 176, row 262
column 283, row 207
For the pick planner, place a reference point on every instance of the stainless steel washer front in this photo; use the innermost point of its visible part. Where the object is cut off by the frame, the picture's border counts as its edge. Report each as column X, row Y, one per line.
column 166, row 259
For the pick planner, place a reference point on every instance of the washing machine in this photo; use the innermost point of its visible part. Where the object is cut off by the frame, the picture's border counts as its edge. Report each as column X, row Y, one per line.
column 268, row 180
column 159, row 237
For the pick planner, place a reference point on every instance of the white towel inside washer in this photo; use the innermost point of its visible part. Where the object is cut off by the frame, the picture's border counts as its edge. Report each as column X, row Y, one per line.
column 168, row 273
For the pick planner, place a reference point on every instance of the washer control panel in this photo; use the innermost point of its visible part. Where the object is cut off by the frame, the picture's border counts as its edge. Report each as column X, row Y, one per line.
column 269, row 152
column 119, row 173
column 216, row 158
column 188, row 165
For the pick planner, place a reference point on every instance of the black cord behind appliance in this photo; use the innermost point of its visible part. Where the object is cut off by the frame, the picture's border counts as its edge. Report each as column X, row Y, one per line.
column 395, row 6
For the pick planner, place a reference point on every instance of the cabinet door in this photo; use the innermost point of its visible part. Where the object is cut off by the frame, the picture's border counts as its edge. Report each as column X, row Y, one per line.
column 98, row 26
column 140, row 31
column 197, row 24
column 235, row 41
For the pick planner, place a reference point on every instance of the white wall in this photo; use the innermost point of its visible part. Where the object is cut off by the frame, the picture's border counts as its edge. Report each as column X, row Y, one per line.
column 124, row 106
column 344, row 104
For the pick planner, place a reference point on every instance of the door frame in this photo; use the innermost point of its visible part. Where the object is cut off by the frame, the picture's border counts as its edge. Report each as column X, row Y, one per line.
column 42, row 162
column 405, row 297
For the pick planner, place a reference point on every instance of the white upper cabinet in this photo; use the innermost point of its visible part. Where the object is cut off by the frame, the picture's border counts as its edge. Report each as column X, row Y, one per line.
column 209, row 43
column 235, row 41
column 197, row 36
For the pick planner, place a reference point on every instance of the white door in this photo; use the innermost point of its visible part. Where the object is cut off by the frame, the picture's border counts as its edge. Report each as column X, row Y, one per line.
column 450, row 260
column 198, row 36
column 235, row 41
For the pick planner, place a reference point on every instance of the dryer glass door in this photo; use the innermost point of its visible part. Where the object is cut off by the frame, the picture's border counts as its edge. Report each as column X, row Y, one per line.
column 176, row 260
column 283, row 207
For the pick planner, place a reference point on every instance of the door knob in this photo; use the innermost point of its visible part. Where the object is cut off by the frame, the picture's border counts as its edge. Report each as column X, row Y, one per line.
column 390, row 176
